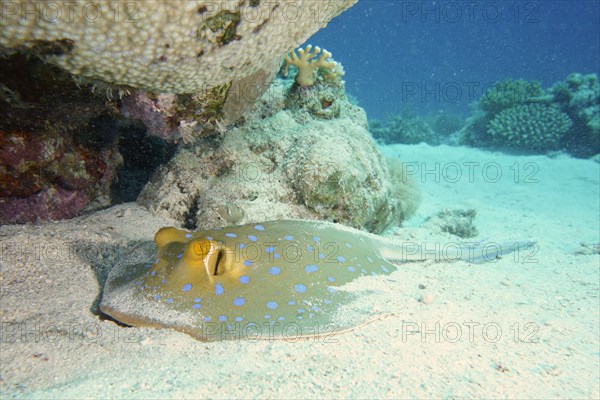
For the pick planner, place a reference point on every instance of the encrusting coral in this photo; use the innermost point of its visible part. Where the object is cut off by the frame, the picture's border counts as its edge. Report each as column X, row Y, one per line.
column 310, row 60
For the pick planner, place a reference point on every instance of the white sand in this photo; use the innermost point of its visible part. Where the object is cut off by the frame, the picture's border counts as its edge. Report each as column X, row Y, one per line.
column 55, row 345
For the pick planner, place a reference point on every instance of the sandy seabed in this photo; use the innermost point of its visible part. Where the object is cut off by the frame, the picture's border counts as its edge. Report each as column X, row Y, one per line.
column 521, row 327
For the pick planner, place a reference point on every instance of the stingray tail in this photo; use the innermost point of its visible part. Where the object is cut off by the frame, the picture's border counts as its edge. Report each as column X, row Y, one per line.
column 471, row 252
column 483, row 252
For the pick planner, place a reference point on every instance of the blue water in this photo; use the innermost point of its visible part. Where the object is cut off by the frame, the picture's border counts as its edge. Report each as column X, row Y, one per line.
column 432, row 56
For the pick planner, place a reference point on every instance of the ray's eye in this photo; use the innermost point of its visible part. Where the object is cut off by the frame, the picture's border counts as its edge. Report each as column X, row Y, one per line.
column 218, row 262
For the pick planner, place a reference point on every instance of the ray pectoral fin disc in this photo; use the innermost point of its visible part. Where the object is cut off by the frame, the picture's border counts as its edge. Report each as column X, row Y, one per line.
column 274, row 280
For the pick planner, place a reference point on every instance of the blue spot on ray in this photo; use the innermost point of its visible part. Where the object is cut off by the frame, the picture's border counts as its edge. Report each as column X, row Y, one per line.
column 244, row 279
column 272, row 305
column 231, row 235
column 252, row 238
column 288, row 238
column 311, row 268
column 219, row 289
column 247, row 263
column 222, row 318
column 239, row 301
column 179, row 255
column 270, row 249
column 316, row 239
column 340, row 258
column 169, row 300
column 351, row 268
column 259, row 227
column 300, row 288
column 209, row 237
column 239, row 319
column 196, row 305
column 197, row 300
column 274, row 270
column 188, row 235
column 331, row 279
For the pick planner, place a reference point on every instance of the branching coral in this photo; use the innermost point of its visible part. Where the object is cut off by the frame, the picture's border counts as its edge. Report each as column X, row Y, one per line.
column 308, row 61
column 537, row 127
column 507, row 94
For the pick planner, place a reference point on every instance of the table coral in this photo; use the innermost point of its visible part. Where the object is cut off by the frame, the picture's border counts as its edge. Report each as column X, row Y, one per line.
column 163, row 46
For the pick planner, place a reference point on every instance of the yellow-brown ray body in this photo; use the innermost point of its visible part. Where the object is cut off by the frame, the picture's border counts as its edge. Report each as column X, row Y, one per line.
column 273, row 280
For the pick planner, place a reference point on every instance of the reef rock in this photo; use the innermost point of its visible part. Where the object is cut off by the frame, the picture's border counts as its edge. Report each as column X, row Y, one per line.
column 58, row 143
column 406, row 128
column 579, row 97
column 456, row 222
column 46, row 175
column 288, row 160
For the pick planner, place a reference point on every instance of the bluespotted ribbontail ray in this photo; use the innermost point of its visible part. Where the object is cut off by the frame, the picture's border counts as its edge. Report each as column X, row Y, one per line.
column 273, row 280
